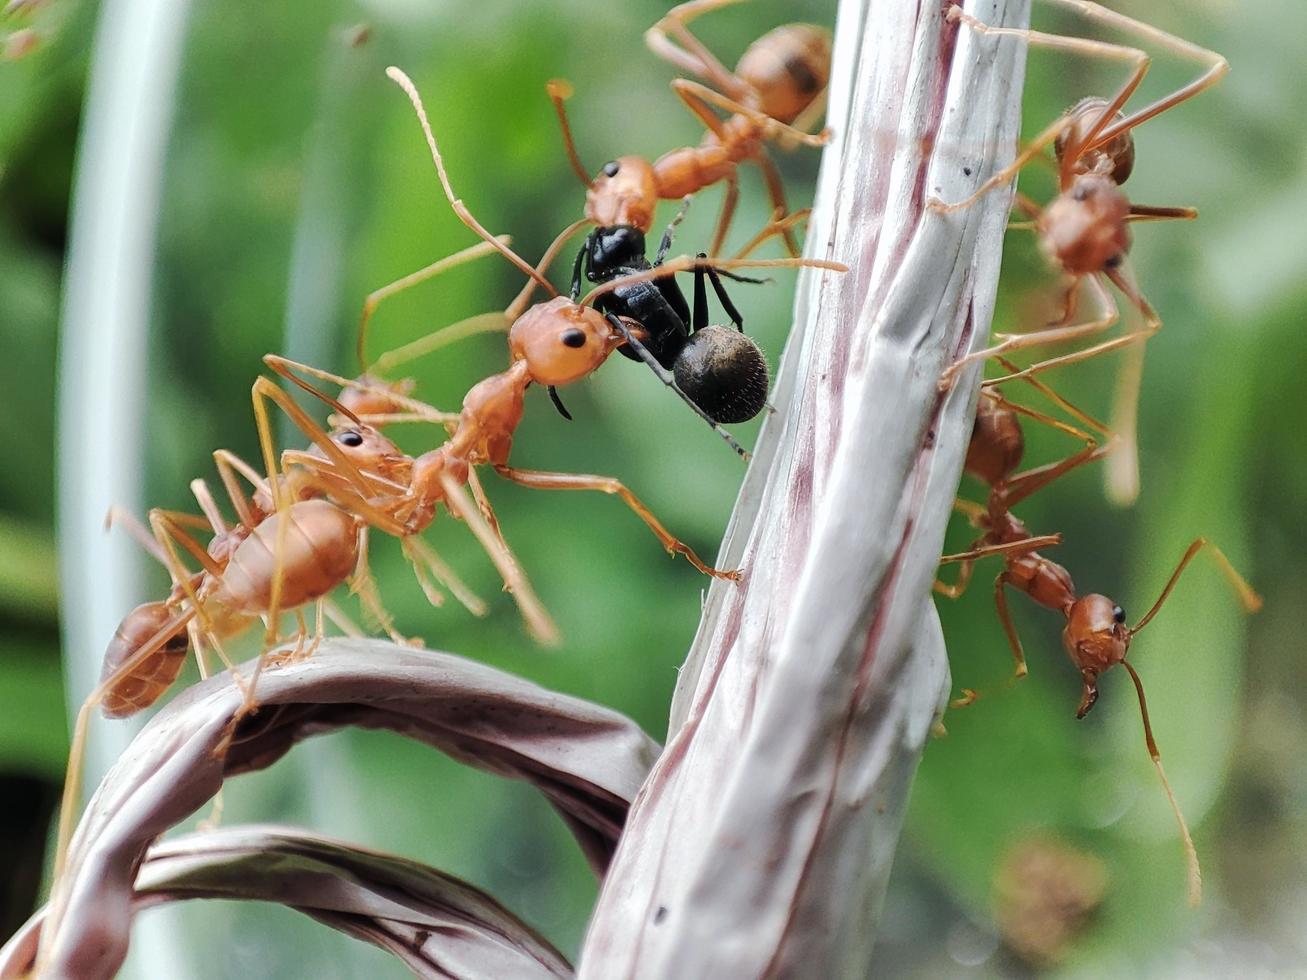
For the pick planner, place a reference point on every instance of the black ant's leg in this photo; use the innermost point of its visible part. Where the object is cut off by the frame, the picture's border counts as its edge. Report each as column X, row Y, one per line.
column 736, row 319
column 665, row 376
column 666, row 245
column 558, row 403
column 700, row 299
column 577, row 265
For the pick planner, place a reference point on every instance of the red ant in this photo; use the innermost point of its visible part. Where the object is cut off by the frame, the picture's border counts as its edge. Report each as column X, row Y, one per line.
column 1084, row 231
column 1096, row 636
column 780, row 80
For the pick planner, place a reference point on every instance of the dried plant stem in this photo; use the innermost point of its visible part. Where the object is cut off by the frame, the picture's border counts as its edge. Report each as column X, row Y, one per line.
column 761, row 844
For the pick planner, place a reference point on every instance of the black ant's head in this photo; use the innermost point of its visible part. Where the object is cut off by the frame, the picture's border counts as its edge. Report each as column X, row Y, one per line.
column 724, row 373
column 624, row 192
column 613, row 248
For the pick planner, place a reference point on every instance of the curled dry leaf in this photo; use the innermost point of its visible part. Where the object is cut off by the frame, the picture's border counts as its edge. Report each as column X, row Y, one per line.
column 587, row 760
column 439, row 926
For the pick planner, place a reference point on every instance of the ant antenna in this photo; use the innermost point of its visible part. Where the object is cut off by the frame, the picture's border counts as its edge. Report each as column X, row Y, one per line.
column 1190, row 852
column 560, row 89
column 283, row 367
column 403, row 81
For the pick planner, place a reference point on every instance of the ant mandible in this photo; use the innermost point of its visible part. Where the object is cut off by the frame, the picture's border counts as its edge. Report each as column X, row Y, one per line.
column 1085, row 230
column 781, row 77
column 1096, row 637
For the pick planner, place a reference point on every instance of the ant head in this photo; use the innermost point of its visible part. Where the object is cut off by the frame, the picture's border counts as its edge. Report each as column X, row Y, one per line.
column 624, row 192
column 997, row 442
column 1096, row 638
column 560, row 341
column 724, row 373
column 788, row 68
column 613, row 248
column 1119, row 151
column 366, row 448
column 1084, row 229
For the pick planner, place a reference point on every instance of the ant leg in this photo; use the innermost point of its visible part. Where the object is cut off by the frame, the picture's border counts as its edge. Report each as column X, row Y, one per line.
column 229, row 465
column 665, row 245
column 699, row 99
column 1029, row 152
column 208, row 506
column 538, row 621
column 692, row 55
column 776, row 194
column 483, row 504
column 559, row 91
column 77, row 748
column 775, row 226
column 1194, row 872
column 729, row 202
column 1149, row 212
column 669, row 380
column 1123, row 467
column 1005, row 617
column 338, row 618
column 119, row 517
column 1073, row 45
column 686, row 263
column 714, row 277
column 377, row 296
column 956, row 590
column 1217, row 67
column 1039, row 338
column 812, row 114
column 425, row 561
column 459, row 208
column 1249, row 599
column 363, row 585
column 605, row 484
column 1007, row 549
column 481, row 323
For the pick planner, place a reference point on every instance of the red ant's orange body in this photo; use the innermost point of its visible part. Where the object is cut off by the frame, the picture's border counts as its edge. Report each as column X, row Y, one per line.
column 1085, row 231
column 1095, row 637
column 779, row 79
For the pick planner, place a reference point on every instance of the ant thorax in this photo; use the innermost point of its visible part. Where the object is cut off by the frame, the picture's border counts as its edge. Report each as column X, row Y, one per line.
column 613, row 249
column 1084, row 229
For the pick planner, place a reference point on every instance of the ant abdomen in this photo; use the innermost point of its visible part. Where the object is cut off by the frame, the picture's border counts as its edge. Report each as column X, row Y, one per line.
column 724, row 373
column 147, row 682
column 1120, row 150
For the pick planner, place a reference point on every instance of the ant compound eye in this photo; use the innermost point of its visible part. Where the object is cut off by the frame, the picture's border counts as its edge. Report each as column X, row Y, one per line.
column 1114, row 261
column 611, row 168
column 1118, row 614
column 351, row 438
column 573, row 338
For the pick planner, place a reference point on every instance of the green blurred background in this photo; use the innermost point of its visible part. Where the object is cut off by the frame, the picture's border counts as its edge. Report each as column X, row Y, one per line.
column 296, row 181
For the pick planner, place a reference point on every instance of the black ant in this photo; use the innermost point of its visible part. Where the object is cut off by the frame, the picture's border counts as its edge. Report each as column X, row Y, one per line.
column 723, row 372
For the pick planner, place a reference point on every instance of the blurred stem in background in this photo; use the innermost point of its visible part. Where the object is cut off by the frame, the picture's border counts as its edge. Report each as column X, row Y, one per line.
column 103, row 380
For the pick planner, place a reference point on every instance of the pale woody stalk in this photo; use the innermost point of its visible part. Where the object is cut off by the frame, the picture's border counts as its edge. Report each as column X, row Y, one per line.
column 762, row 843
